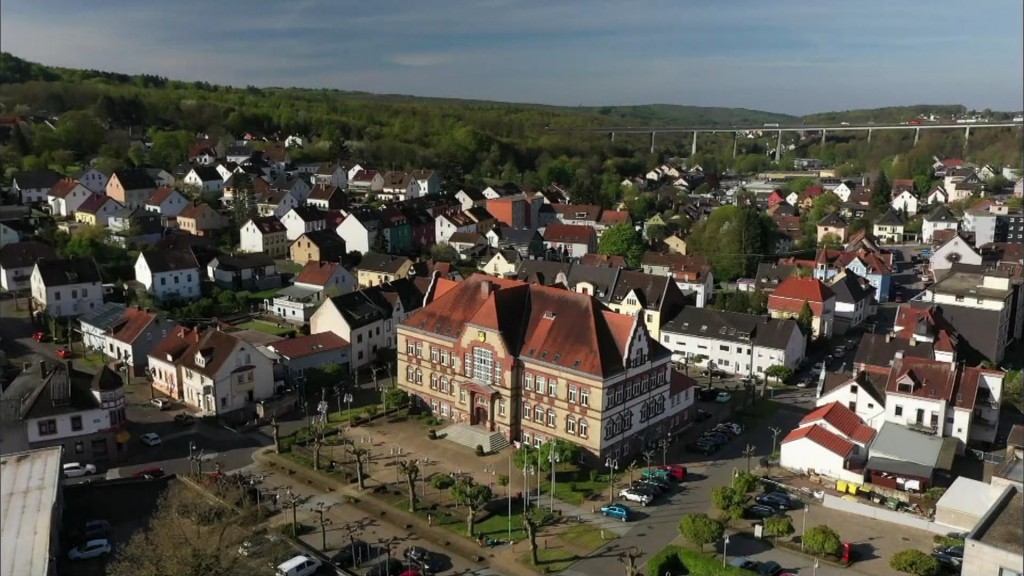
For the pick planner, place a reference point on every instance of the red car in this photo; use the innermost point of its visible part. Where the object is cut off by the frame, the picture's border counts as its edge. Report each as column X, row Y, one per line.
column 63, row 353
column 39, row 336
column 150, row 473
column 675, row 471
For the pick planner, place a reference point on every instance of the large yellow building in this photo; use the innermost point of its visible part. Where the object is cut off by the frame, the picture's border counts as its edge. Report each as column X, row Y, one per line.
column 538, row 363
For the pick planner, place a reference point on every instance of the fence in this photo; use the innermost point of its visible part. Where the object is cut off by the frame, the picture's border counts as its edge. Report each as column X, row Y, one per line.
column 886, row 515
column 994, row 457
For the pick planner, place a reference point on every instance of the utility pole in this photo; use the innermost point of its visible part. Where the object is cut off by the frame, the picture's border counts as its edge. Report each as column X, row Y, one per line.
column 320, row 510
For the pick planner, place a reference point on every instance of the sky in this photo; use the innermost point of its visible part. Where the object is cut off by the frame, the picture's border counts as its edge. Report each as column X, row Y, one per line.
column 791, row 56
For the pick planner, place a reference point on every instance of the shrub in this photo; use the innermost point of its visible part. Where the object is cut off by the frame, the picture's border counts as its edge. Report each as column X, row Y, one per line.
column 821, row 540
column 593, row 475
column 666, row 561
column 729, row 501
column 432, row 434
column 914, row 562
column 745, row 482
column 480, row 450
column 700, row 529
column 778, row 526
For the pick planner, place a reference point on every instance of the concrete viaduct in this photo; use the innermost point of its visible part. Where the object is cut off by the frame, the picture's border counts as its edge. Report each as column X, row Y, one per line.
column 780, row 128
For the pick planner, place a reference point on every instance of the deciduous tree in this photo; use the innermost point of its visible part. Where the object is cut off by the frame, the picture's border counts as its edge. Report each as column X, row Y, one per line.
column 821, row 540
column 623, row 240
column 474, row 497
column 701, row 529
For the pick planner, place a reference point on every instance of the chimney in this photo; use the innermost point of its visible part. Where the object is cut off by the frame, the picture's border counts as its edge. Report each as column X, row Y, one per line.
column 485, row 288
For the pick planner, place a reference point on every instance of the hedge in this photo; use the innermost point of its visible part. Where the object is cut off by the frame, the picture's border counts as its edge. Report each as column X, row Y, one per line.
column 677, row 561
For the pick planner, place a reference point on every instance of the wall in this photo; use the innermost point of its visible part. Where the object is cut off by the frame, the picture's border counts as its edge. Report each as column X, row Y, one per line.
column 886, row 515
column 804, row 455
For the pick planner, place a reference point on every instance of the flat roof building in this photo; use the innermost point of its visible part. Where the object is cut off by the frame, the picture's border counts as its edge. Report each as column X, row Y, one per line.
column 30, row 497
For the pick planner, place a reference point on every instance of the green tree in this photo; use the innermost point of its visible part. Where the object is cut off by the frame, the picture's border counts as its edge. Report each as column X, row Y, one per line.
column 324, row 377
column 623, row 240
column 394, row 397
column 821, row 540
column 881, row 193
column 830, row 240
column 914, row 562
column 443, row 253
column 411, row 471
column 80, row 132
column 442, row 482
column 745, row 483
column 474, row 497
column 778, row 526
column 780, row 372
column 729, row 500
column 657, row 232
column 701, row 529
column 798, row 185
column 806, row 320
column 1012, row 389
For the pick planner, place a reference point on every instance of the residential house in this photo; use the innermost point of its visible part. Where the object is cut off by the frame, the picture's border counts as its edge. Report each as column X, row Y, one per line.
column 956, row 250
column 11, row 232
column 303, row 219
column 161, row 177
column 536, row 384
column 511, row 211
column 213, row 372
column 17, row 260
column 327, row 197
column 66, row 196
column 93, row 179
column 833, row 224
column 831, row 441
column 253, row 272
column 366, row 182
column 906, row 460
column 996, row 223
column 312, row 352
column 961, row 183
column 200, row 219
column 876, row 268
column 578, row 214
column 32, row 186
column 169, row 274
column 469, row 197
column 448, row 224
column 66, row 287
column 429, row 182
column 125, row 334
column 276, row 156
column 166, row 202
column 610, row 218
column 398, row 186
column 362, row 230
column 82, row 413
column 96, row 210
column 936, row 196
column 656, row 299
column 397, row 231
column 854, row 295
column 316, row 282
column 352, row 171
column 905, row 201
column 203, row 153
column 984, row 306
column 862, row 393
column 790, row 297
column 238, row 153
column 289, row 185
column 528, row 242
column 843, row 190
column 317, row 246
column 204, row 178
column 421, row 224
column 604, row 261
column 131, row 187
column 676, row 244
column 376, row 269
column 266, row 235
column 331, row 175
column 368, row 318
column 938, row 219
column 693, row 274
column 770, row 274
column 467, row 245
column 570, row 240
column 134, row 228
column 737, row 343
column 504, row 263
column 993, row 545
column 889, row 227
column 776, row 197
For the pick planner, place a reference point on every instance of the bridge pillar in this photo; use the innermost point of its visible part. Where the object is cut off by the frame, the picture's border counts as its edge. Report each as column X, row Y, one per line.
column 652, row 142
column 693, row 148
column 823, row 133
column 778, row 148
column 869, row 135
column 917, row 135
column 967, row 138
column 735, row 143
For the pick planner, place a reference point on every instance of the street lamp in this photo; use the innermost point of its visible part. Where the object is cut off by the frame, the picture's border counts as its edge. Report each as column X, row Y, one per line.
column 348, row 402
column 527, row 471
column 815, row 571
column 396, row 451
column 804, row 528
column 612, row 465
column 553, row 458
column 725, row 550
column 664, row 444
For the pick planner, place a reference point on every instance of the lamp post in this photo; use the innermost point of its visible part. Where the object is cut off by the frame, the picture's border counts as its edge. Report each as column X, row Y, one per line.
column 553, row 458
column 804, row 528
column 527, row 471
column 664, row 444
column 348, row 402
column 612, row 465
column 508, row 494
column 725, row 550
column 815, row 571
column 396, row 451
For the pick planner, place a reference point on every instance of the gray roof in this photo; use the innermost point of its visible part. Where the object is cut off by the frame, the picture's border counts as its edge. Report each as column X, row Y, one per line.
column 769, row 275
column 387, row 263
column 542, row 271
column 232, row 263
column 30, row 490
column 880, row 349
column 64, row 272
column 834, row 220
column 899, row 443
column 848, row 288
column 603, row 279
column 941, row 214
column 161, row 260
column 890, row 218
column 105, row 317
column 899, row 467
column 732, row 326
column 24, row 254
column 30, row 179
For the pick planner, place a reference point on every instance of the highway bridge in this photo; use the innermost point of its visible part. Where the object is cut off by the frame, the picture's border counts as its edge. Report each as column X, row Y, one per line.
column 803, row 128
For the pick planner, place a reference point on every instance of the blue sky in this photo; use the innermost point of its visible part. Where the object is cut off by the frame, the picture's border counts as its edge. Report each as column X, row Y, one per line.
column 795, row 56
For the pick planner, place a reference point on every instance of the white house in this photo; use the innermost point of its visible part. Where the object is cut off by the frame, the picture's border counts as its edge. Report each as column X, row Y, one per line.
column 854, row 300
column 504, row 263
column 17, row 260
column 570, row 240
column 447, row 224
column 169, row 274
column 366, row 181
column 399, row 186
column 745, row 344
column 33, row 185
column 125, row 334
column 862, row 393
column 829, row 442
column 205, row 178
column 955, row 251
column 167, row 202
column 303, row 219
column 843, row 190
column 93, row 179
column 316, row 282
column 353, row 170
column 359, row 230
column 938, row 219
column 429, row 182
column 66, row 287
column 266, row 235
column 905, row 201
column 97, row 210
column 66, row 196
column 332, row 174
column 936, row 196
column 470, row 197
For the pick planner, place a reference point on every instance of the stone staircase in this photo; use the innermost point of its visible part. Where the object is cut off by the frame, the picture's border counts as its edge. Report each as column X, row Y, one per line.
column 473, row 436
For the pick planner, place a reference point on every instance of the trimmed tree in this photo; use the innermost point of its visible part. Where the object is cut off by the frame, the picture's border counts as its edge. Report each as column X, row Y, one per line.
column 780, row 372
column 914, row 562
column 701, row 529
column 474, row 497
column 729, row 500
column 411, row 471
column 821, row 540
column 442, row 482
column 778, row 526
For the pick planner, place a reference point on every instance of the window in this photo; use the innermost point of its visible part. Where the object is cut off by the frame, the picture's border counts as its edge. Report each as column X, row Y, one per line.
column 462, row 396
column 410, row 347
column 419, row 347
column 538, row 413
column 552, row 387
column 526, row 410
column 444, row 385
column 572, row 393
column 570, row 425
column 467, row 365
column 444, row 357
column 528, row 382
column 483, row 365
column 501, row 407
column 723, row 348
column 435, row 354
column 410, row 374
column 47, row 427
column 899, row 410
column 433, row 381
column 582, row 425
column 552, row 419
column 853, row 389
column 541, row 382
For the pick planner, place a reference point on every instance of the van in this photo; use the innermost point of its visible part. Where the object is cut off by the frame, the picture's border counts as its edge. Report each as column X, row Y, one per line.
column 298, row 566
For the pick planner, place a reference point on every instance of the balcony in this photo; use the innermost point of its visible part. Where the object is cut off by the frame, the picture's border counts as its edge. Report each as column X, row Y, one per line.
column 922, row 426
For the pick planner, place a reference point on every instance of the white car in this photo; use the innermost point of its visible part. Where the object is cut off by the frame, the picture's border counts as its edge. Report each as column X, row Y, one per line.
column 634, row 496
column 150, row 439
column 161, row 403
column 76, row 469
column 298, row 566
column 91, row 549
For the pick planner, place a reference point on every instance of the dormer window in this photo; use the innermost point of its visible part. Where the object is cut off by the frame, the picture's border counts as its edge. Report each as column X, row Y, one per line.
column 200, row 360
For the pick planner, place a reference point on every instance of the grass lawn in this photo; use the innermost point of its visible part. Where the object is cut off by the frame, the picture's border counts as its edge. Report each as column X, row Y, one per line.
column 288, row 266
column 267, row 327
column 494, row 526
column 260, row 296
column 585, row 536
column 574, row 486
column 550, row 560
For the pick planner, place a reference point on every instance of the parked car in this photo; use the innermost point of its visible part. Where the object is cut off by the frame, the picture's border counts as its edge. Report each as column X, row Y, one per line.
column 150, row 473
column 183, row 419
column 353, row 553
column 650, row 485
column 736, row 427
column 150, row 439
column 952, row 551
column 769, row 568
column 674, row 471
column 717, row 438
column 947, row 563
column 635, row 495
column 714, row 372
column 702, row 415
column 387, row 567
column 707, row 394
column 743, row 563
column 620, row 511
column 779, row 501
column 161, row 403
column 701, row 448
column 298, row 566
column 759, row 511
column 63, row 353
column 420, row 557
column 658, row 474
column 91, row 549
column 76, row 469
column 723, row 397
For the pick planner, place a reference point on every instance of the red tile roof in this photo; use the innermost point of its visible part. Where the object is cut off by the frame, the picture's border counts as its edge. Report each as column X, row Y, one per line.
column 63, row 187
column 908, row 317
column 952, row 162
column 317, row 273
column 679, row 383
column 794, row 291
column 302, row 346
column 194, row 210
column 842, row 419
column 94, row 203
column 874, row 263
column 613, row 217
column 269, row 225
column 822, row 437
column 812, row 192
column 159, row 195
column 364, row 176
column 606, row 260
column 175, row 344
column 132, row 324
column 568, row 233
